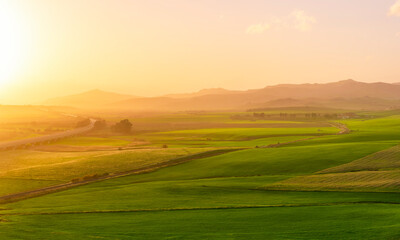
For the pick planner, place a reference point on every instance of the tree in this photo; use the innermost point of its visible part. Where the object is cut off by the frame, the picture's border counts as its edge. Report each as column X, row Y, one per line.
column 124, row 126
column 100, row 124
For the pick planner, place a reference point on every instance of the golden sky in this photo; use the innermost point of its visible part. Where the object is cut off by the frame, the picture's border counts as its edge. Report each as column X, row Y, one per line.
column 152, row 47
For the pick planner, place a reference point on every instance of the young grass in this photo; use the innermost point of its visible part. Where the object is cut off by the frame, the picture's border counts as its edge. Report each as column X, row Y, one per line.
column 351, row 181
column 75, row 165
column 217, row 197
column 14, row 185
column 386, row 159
column 92, row 141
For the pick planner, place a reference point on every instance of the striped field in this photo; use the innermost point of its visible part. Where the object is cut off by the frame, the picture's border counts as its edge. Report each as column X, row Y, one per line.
column 379, row 171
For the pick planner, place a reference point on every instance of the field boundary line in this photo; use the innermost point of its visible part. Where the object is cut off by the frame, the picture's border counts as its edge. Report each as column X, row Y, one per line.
column 342, row 127
column 201, row 208
column 60, row 187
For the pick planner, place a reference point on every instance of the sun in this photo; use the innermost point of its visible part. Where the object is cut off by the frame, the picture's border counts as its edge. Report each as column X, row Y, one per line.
column 12, row 42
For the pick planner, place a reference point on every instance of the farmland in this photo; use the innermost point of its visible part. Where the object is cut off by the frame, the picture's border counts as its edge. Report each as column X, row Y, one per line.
column 317, row 181
column 204, row 120
column 19, row 122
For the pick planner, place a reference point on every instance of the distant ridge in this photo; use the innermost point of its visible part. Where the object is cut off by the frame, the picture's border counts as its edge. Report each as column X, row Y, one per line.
column 90, row 99
column 208, row 91
column 346, row 94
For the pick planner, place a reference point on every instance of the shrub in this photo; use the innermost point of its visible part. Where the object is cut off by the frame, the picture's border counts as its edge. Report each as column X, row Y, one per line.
column 124, row 126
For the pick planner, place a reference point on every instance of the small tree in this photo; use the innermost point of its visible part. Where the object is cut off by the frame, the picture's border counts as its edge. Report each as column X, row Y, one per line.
column 100, row 124
column 124, row 126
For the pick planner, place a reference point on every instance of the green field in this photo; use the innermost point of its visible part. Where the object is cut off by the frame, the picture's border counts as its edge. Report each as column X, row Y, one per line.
column 317, row 222
column 326, row 186
column 92, row 141
column 20, row 122
column 35, row 168
column 379, row 171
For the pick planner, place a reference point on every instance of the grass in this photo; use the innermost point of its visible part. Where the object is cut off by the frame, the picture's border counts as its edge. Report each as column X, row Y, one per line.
column 19, row 122
column 379, row 171
column 10, row 185
column 108, row 162
column 241, row 134
column 186, row 142
column 316, row 222
column 218, row 197
column 271, row 161
column 92, row 141
column 386, row 159
column 235, row 137
column 45, row 167
column 365, row 130
column 352, row 181
column 124, row 195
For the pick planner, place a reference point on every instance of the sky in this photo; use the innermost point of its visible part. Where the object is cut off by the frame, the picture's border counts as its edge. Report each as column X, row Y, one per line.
column 153, row 47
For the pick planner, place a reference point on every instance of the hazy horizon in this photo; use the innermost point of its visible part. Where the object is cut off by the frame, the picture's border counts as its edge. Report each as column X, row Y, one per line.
column 199, row 119
column 122, row 47
column 166, row 94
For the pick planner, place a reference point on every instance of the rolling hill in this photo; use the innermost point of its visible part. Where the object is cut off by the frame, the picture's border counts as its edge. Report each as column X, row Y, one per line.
column 346, row 94
column 209, row 91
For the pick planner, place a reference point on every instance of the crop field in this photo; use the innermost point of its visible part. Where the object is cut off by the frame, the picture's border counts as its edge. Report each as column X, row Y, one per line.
column 27, row 169
column 236, row 182
column 248, row 133
column 92, row 141
column 351, row 181
column 250, row 136
column 19, row 122
column 314, row 222
column 383, row 160
column 379, row 171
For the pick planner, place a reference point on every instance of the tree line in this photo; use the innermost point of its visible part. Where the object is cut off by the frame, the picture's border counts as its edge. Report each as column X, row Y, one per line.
column 285, row 115
column 124, row 126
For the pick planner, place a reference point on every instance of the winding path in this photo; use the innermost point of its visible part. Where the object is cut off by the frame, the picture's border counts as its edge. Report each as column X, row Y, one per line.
column 342, row 127
column 47, row 138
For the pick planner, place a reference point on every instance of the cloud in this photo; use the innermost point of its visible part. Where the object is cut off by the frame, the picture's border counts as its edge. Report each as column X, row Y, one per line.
column 258, row 28
column 395, row 9
column 302, row 21
column 297, row 19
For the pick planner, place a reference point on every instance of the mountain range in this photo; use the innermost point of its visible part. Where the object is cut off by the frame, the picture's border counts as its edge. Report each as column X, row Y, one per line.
column 346, row 94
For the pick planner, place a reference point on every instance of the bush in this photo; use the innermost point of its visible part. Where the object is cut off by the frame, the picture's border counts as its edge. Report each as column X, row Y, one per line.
column 100, row 124
column 124, row 126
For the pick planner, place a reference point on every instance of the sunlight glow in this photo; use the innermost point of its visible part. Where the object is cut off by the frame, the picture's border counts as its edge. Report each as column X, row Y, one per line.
column 13, row 47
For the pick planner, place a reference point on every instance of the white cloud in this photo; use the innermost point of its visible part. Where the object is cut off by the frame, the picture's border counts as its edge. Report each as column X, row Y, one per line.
column 395, row 9
column 302, row 21
column 258, row 28
column 297, row 19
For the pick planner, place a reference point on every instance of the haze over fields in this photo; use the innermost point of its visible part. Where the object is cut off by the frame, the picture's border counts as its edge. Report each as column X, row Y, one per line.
column 199, row 119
